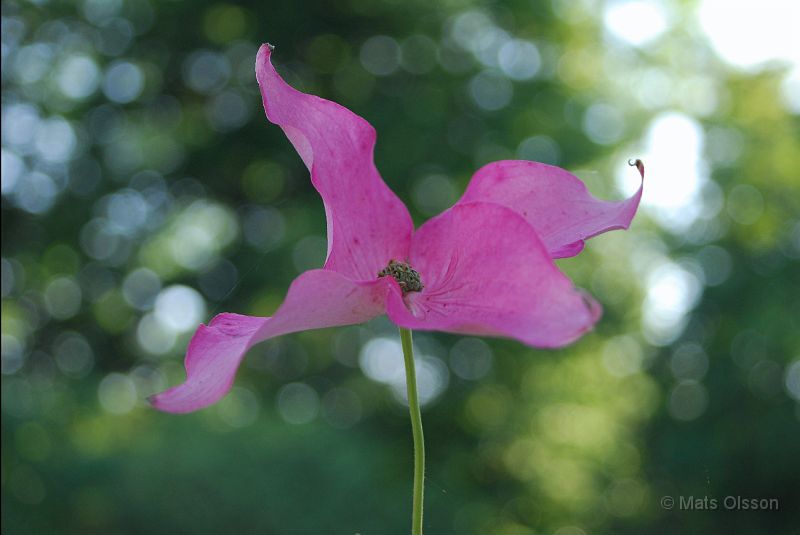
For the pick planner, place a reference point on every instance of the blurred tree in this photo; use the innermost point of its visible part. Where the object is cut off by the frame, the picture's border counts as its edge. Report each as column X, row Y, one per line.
column 143, row 191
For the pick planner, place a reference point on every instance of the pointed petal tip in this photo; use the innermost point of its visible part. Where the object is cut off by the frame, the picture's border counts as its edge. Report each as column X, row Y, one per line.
column 337, row 147
column 594, row 308
column 316, row 299
column 264, row 54
column 156, row 401
column 158, row 404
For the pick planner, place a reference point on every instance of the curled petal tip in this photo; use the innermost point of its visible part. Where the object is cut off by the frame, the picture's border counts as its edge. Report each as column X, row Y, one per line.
column 556, row 203
column 638, row 164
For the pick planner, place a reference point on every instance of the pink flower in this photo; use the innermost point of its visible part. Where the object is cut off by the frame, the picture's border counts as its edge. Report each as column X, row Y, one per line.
column 483, row 267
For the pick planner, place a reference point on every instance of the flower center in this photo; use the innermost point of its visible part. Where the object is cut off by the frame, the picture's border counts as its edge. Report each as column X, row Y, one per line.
column 406, row 276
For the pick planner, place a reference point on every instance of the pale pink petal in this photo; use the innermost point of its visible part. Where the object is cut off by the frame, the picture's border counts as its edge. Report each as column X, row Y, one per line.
column 485, row 272
column 367, row 224
column 316, row 299
column 555, row 202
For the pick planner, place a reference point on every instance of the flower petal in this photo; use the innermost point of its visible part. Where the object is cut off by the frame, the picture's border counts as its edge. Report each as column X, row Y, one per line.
column 367, row 224
column 486, row 272
column 555, row 202
column 316, row 299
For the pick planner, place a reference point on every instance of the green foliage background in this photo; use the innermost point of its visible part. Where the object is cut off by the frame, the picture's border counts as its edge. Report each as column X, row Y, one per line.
column 120, row 184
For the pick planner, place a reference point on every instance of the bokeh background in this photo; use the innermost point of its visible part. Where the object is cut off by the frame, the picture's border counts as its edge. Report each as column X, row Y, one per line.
column 143, row 191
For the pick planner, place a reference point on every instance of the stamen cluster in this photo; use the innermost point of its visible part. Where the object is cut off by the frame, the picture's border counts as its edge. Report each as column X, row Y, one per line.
column 407, row 277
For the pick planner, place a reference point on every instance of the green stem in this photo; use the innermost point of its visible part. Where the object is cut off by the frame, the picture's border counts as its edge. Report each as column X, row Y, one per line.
column 416, row 429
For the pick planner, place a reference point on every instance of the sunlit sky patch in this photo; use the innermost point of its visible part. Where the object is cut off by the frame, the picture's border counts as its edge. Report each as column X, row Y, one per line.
column 637, row 22
column 790, row 90
column 743, row 33
column 748, row 34
column 672, row 291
